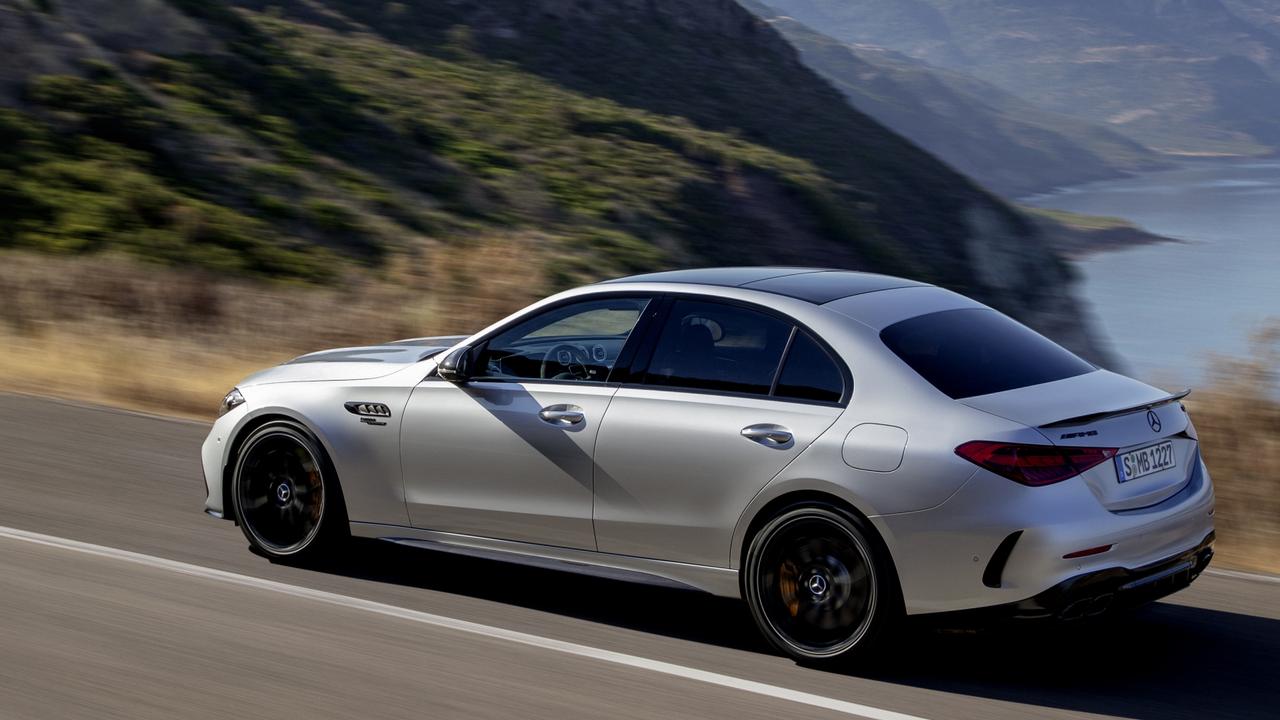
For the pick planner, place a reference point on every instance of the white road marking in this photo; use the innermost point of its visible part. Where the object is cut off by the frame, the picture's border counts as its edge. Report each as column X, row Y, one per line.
column 441, row 621
column 1256, row 577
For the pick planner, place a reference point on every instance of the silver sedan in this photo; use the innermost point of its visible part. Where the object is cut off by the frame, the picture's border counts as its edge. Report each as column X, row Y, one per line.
column 839, row 449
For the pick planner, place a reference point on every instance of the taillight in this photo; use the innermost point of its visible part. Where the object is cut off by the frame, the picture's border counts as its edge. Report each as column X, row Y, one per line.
column 1033, row 465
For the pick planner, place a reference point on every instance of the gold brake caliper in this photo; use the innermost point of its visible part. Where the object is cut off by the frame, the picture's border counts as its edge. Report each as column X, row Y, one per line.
column 787, row 585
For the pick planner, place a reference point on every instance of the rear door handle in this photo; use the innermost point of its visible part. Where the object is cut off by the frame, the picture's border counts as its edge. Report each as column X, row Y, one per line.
column 766, row 434
column 562, row 414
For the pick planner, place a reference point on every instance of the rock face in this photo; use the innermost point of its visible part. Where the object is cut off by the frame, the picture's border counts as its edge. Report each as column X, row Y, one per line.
column 1045, row 296
column 628, row 135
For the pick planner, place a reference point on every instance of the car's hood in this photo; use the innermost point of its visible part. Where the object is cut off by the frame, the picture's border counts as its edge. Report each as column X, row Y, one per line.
column 354, row 363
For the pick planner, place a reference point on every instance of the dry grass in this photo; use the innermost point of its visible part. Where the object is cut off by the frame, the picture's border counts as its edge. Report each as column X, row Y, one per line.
column 1238, row 419
column 113, row 331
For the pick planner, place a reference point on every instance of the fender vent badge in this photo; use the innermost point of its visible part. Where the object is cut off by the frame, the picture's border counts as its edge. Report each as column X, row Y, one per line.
column 365, row 409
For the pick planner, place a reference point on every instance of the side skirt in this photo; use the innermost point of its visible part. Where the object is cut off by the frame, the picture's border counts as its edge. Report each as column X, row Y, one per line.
column 714, row 580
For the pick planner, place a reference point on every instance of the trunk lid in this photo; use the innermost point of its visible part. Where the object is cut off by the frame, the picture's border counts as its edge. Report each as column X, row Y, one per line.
column 1106, row 410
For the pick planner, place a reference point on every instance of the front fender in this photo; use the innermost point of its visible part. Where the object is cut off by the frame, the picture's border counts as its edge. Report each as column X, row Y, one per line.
column 365, row 457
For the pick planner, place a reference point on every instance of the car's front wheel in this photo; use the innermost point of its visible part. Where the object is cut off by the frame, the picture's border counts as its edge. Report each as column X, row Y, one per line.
column 285, row 495
column 818, row 586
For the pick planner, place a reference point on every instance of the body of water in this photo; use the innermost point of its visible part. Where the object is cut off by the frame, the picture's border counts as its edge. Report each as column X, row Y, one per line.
column 1167, row 307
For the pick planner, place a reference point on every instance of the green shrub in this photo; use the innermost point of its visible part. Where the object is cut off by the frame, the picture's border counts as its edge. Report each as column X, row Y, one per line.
column 272, row 206
column 331, row 217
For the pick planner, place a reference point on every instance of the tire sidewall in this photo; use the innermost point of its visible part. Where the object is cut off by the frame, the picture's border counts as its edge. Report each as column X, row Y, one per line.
column 886, row 606
column 331, row 498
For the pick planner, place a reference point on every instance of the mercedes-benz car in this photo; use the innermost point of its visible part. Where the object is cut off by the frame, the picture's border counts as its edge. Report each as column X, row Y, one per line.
column 839, row 449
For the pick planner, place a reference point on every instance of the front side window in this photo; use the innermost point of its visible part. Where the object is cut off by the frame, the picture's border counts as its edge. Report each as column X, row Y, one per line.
column 718, row 347
column 576, row 342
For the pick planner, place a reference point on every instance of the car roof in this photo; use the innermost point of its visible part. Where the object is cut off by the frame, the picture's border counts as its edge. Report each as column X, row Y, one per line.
column 815, row 285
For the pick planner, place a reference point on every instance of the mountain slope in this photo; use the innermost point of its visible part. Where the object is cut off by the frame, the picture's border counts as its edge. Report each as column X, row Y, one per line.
column 1003, row 142
column 1262, row 14
column 1184, row 76
column 591, row 139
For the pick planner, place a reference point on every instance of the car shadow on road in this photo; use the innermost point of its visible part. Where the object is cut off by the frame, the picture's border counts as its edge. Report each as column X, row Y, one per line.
column 1156, row 663
column 657, row 609
column 1161, row 662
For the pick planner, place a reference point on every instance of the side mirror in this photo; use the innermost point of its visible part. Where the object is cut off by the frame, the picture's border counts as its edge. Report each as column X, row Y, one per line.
column 456, row 366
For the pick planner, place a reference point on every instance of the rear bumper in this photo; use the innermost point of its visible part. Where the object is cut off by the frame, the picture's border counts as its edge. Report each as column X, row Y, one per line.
column 957, row 557
column 1100, row 591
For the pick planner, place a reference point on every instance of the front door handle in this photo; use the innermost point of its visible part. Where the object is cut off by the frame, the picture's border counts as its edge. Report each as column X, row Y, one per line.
column 562, row 414
column 771, row 435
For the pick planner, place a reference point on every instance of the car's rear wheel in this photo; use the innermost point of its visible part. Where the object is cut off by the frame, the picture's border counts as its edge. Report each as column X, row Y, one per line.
column 286, row 497
column 818, row 586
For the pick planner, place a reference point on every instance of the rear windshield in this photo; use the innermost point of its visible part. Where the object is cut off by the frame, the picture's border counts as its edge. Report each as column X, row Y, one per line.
column 977, row 351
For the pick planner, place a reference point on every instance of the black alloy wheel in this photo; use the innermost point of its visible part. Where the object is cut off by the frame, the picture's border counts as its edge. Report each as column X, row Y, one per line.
column 286, row 498
column 818, row 586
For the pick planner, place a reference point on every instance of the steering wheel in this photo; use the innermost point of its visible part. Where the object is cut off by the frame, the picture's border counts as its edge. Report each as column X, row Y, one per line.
column 572, row 358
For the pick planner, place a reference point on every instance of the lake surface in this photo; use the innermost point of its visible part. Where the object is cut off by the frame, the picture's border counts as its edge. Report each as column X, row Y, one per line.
column 1167, row 307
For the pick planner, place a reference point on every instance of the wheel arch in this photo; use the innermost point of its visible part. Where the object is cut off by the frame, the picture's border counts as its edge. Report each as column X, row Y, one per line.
column 772, row 506
column 246, row 429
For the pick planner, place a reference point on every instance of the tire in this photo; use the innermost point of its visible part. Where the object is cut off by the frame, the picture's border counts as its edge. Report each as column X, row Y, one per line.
column 820, row 585
column 285, row 494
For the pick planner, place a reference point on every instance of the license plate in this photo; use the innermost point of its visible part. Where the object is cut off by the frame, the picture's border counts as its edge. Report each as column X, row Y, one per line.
column 1144, row 461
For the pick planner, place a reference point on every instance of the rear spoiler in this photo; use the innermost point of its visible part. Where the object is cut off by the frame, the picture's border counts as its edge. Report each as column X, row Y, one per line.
column 1092, row 417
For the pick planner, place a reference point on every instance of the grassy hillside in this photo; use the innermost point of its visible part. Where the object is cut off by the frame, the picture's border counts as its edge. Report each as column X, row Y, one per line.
column 1183, row 76
column 1003, row 142
column 309, row 139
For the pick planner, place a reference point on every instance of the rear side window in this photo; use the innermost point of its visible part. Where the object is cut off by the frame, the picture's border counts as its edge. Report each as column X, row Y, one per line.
column 809, row 373
column 978, row 351
column 718, row 347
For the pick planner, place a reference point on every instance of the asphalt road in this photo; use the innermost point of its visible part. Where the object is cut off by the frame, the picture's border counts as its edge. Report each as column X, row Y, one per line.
column 87, row 632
